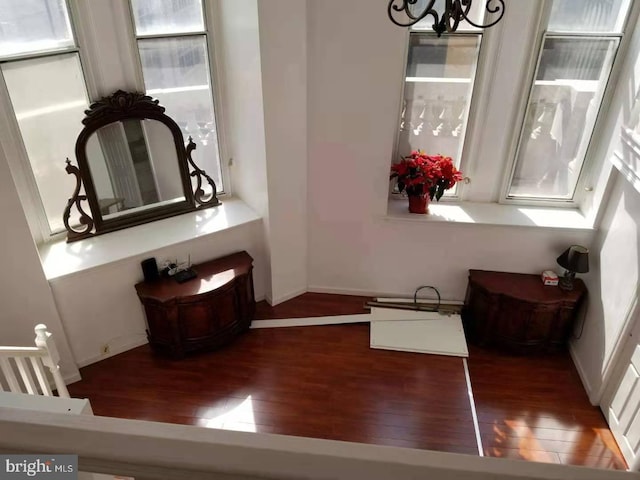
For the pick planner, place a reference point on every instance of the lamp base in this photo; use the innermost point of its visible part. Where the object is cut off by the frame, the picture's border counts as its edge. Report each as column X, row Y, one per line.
column 566, row 281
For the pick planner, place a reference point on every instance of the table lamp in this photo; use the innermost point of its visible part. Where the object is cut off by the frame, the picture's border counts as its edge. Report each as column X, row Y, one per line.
column 574, row 259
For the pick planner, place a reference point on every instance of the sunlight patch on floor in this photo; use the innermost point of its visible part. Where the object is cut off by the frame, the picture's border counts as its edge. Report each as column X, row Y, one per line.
column 240, row 418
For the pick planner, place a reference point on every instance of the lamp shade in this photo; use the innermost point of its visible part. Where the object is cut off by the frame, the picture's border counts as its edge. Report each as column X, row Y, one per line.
column 575, row 259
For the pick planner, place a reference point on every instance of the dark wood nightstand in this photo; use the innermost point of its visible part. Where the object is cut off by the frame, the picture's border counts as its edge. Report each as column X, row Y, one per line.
column 203, row 313
column 516, row 312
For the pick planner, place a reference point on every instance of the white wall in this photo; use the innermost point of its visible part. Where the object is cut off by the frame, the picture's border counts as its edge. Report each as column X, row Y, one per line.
column 25, row 297
column 283, row 48
column 356, row 59
column 264, row 65
column 239, row 59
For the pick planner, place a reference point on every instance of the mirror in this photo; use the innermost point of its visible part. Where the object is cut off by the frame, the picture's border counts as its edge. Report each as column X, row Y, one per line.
column 134, row 167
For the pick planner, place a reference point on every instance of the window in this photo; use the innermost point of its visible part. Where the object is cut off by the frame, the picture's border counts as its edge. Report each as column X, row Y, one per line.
column 438, row 87
column 576, row 59
column 172, row 43
column 42, row 73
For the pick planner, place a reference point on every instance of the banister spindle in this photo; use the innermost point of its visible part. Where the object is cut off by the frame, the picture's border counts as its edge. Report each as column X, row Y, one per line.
column 52, row 358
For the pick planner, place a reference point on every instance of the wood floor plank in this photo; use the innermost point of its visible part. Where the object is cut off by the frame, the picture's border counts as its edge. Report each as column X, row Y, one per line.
column 325, row 382
column 523, row 454
column 593, row 448
column 613, row 463
column 536, row 404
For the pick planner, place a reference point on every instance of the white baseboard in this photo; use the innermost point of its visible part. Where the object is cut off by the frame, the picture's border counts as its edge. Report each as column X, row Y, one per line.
column 353, row 291
column 114, row 351
column 283, row 298
column 311, row 321
column 583, row 377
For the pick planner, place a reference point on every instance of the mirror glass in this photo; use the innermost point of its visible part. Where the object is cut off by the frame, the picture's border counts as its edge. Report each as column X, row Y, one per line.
column 134, row 166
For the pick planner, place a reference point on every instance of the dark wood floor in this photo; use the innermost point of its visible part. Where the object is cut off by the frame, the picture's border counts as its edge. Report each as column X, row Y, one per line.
column 325, row 382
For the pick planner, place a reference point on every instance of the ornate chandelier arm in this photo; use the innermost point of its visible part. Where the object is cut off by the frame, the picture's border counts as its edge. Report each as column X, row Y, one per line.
column 406, row 7
column 498, row 8
column 454, row 12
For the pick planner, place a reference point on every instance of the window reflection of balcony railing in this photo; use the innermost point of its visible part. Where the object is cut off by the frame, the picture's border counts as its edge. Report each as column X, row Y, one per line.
column 430, row 117
column 552, row 149
column 434, row 115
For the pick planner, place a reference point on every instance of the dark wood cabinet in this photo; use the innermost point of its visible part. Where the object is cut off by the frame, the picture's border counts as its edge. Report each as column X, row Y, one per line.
column 516, row 312
column 203, row 313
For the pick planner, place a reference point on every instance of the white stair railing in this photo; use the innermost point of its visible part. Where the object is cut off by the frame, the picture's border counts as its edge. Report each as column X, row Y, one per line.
column 24, row 371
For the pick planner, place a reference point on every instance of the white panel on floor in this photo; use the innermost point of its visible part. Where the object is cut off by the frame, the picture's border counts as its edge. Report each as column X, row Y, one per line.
column 311, row 321
column 420, row 332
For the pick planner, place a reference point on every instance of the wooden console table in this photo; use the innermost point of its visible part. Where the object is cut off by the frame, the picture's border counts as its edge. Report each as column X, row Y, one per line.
column 203, row 313
column 518, row 313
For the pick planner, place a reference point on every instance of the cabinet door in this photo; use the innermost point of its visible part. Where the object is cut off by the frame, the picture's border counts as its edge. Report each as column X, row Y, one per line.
column 540, row 325
column 160, row 328
column 205, row 317
column 561, row 331
column 524, row 324
column 512, row 318
column 246, row 303
column 479, row 313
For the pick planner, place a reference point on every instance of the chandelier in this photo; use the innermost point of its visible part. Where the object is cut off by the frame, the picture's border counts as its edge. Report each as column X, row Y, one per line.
column 406, row 13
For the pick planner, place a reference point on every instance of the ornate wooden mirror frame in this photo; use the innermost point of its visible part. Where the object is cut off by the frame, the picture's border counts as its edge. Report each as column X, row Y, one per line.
column 115, row 108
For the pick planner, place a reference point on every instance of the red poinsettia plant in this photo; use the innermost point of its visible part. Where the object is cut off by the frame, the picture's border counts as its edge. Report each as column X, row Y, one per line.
column 420, row 174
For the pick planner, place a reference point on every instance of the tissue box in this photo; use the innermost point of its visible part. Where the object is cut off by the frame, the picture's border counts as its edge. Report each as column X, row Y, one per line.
column 549, row 277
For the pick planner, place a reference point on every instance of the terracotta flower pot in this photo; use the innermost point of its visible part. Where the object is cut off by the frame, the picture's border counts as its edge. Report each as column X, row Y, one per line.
column 419, row 204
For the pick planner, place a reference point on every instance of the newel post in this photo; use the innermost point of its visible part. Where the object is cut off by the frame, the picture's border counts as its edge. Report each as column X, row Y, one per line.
column 52, row 358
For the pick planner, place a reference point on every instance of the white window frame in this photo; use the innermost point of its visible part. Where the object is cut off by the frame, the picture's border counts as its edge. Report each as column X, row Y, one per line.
column 455, row 194
column 209, row 14
column 590, row 162
column 13, row 143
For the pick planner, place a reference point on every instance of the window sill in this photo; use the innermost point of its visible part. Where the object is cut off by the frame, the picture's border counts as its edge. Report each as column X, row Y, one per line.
column 490, row 214
column 60, row 258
